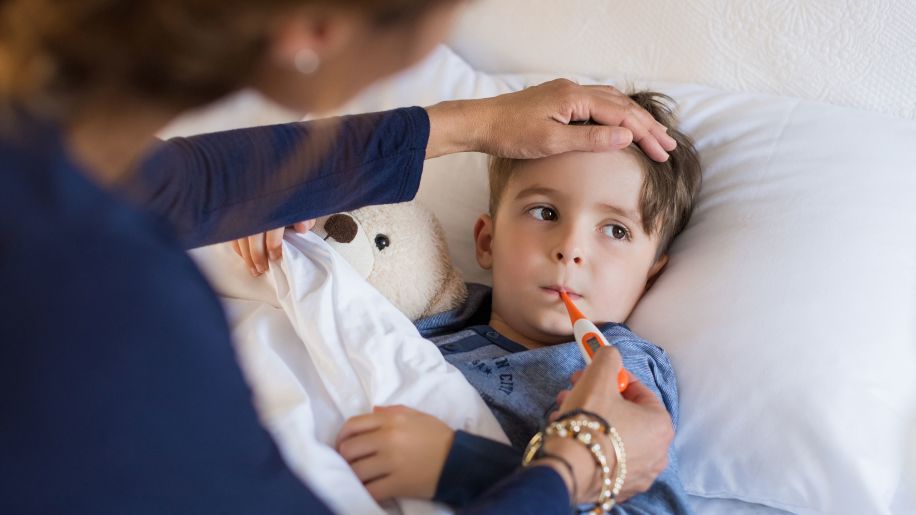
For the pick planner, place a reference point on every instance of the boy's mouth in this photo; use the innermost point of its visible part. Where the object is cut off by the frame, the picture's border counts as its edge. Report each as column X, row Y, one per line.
column 556, row 289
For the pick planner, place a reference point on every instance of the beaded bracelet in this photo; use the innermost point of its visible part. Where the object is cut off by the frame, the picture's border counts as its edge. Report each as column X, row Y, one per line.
column 579, row 411
column 621, row 454
column 574, row 428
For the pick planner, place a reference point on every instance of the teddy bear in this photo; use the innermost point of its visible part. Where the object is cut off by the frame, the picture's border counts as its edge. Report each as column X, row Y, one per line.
column 401, row 250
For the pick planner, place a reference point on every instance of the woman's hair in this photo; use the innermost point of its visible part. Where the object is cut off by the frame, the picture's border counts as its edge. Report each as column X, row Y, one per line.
column 181, row 52
column 669, row 189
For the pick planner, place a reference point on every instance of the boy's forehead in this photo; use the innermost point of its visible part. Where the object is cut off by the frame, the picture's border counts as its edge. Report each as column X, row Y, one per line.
column 616, row 176
column 611, row 163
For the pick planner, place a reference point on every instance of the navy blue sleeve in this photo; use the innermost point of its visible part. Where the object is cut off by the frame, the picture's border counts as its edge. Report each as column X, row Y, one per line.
column 532, row 490
column 119, row 387
column 221, row 186
column 473, row 465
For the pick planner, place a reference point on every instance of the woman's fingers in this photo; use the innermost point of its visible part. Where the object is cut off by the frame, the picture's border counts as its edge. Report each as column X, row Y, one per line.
column 653, row 126
column 612, row 107
column 258, row 252
column 305, row 226
column 613, row 111
column 273, row 241
column 637, row 393
column 562, row 397
column 243, row 245
column 574, row 378
column 617, row 115
column 596, row 388
column 593, row 138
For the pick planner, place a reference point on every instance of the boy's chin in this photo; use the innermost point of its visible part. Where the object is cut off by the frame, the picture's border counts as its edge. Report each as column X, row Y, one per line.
column 556, row 331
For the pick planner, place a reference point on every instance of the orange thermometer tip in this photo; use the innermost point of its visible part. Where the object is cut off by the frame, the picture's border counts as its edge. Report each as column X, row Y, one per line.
column 623, row 379
column 623, row 376
column 574, row 313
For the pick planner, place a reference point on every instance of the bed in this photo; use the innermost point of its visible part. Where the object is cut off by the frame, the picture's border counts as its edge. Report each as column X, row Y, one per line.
column 789, row 304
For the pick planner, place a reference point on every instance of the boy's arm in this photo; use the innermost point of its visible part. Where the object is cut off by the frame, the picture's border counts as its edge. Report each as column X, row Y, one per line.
column 401, row 452
column 652, row 366
column 222, row 186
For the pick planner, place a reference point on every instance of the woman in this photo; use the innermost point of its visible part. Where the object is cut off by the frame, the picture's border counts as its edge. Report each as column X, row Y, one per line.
column 120, row 389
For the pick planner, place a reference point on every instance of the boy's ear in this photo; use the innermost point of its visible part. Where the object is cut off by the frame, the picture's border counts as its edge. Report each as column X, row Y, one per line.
column 656, row 271
column 483, row 240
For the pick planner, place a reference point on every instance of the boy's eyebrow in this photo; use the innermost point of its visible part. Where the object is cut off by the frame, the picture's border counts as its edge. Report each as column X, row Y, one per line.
column 536, row 190
column 632, row 215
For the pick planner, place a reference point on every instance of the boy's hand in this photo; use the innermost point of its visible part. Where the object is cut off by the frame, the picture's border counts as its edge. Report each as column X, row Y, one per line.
column 256, row 249
column 396, row 451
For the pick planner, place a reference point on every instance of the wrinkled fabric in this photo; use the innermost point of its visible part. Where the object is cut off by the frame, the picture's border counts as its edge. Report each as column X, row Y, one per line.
column 319, row 344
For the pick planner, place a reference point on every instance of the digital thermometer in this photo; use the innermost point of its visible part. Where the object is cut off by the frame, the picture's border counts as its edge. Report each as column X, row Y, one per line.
column 590, row 338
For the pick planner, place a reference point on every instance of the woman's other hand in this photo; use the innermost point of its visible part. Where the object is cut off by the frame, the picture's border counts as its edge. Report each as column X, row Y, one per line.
column 259, row 249
column 534, row 123
column 396, row 451
column 638, row 415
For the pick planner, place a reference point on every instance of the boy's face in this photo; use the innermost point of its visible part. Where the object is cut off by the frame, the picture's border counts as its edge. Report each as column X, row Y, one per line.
column 567, row 221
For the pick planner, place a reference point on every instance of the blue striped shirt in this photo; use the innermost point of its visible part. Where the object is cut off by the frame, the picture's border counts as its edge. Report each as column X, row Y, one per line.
column 520, row 387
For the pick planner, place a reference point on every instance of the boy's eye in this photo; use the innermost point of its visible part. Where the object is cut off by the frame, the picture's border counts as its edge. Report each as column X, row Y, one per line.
column 543, row 213
column 618, row 232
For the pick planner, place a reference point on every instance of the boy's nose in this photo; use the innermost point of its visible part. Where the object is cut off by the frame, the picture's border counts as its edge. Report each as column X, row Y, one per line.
column 567, row 245
column 568, row 255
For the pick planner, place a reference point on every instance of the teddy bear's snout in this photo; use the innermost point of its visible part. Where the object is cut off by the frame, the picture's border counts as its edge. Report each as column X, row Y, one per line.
column 342, row 228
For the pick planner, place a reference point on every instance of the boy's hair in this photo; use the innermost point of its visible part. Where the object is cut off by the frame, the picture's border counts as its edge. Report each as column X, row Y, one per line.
column 669, row 189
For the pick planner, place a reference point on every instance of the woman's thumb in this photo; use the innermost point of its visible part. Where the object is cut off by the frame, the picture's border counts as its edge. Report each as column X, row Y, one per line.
column 604, row 367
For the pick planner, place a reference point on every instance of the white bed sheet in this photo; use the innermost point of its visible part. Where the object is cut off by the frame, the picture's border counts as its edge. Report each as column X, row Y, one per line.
column 318, row 345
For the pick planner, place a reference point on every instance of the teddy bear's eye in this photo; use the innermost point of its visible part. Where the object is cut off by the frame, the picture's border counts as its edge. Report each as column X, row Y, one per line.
column 382, row 241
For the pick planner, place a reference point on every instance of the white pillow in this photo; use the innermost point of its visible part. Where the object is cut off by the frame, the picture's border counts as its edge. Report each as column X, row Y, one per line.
column 788, row 303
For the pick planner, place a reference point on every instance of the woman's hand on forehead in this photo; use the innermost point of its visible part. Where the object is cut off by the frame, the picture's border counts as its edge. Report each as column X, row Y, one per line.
column 535, row 122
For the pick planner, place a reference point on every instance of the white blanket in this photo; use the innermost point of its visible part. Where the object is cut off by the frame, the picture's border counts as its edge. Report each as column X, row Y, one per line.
column 318, row 345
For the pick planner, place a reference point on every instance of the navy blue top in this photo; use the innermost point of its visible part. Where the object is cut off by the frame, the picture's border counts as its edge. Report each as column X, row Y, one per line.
column 119, row 390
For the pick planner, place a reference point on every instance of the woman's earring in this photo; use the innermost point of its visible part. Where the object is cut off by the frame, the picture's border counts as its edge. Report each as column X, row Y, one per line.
column 306, row 61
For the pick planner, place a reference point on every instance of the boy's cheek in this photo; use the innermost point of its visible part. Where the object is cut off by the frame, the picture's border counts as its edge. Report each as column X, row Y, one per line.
column 619, row 302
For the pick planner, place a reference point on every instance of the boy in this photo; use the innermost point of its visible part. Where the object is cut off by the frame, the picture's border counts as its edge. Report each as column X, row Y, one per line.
column 596, row 225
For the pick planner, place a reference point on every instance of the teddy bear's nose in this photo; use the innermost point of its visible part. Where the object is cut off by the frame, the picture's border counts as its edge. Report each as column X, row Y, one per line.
column 341, row 227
